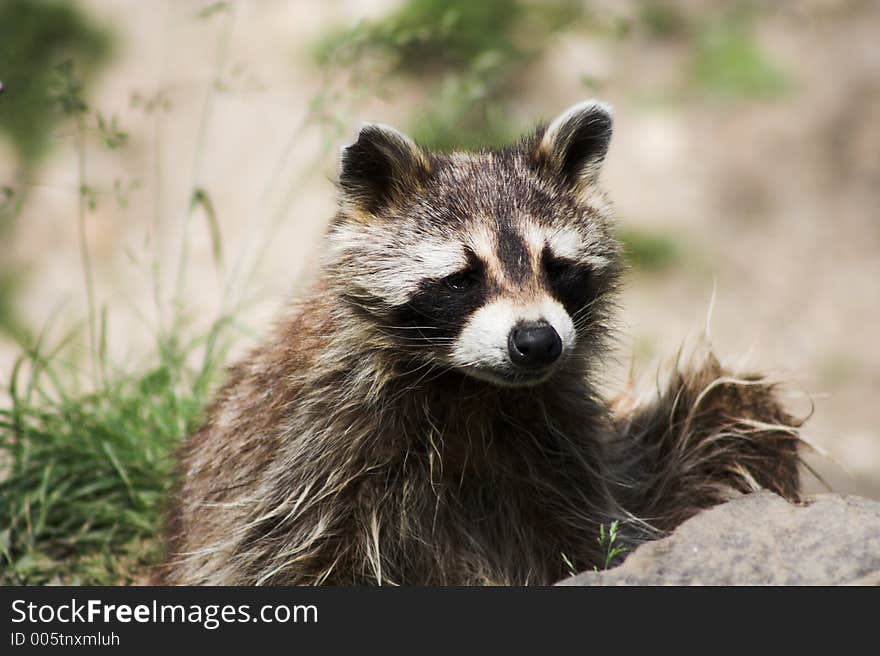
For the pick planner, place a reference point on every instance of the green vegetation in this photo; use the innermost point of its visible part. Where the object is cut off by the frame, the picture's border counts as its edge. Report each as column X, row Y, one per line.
column 569, row 566
column 650, row 250
column 34, row 38
column 468, row 56
column 10, row 206
column 728, row 63
column 612, row 550
column 725, row 61
column 608, row 541
column 85, row 447
column 86, row 472
column 663, row 19
column 10, row 323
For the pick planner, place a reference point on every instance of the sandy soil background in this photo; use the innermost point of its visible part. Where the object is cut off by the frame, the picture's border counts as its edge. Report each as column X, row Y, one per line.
column 774, row 202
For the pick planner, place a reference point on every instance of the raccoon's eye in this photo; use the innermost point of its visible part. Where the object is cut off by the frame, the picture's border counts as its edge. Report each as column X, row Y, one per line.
column 556, row 267
column 462, row 280
column 571, row 282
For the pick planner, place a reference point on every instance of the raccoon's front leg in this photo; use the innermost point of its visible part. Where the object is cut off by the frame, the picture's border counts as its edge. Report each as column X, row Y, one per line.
column 707, row 436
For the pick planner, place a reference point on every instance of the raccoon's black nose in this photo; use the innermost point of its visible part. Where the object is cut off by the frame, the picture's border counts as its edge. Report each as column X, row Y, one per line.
column 534, row 345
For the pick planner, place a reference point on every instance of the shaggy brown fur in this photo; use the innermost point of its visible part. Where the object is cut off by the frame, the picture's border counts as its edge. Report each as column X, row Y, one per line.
column 346, row 450
column 705, row 436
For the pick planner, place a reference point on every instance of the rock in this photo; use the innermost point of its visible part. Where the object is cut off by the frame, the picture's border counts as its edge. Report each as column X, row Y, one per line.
column 760, row 539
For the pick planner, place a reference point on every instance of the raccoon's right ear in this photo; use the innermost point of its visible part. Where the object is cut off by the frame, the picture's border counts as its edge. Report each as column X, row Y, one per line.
column 383, row 164
column 574, row 145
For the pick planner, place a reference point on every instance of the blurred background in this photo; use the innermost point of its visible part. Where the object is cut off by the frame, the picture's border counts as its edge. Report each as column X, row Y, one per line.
column 166, row 175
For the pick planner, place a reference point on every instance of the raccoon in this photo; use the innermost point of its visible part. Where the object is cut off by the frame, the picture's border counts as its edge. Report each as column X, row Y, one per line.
column 428, row 414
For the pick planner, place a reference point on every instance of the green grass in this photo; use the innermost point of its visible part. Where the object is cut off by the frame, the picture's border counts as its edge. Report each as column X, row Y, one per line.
column 86, row 446
column 86, row 473
column 10, row 321
column 650, row 250
column 612, row 549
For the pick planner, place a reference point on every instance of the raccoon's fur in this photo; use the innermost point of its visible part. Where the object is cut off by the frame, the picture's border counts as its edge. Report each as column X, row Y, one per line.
column 428, row 414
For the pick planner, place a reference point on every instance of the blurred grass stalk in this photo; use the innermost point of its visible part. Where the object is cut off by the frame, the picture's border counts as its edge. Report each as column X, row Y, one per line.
column 85, row 467
column 33, row 35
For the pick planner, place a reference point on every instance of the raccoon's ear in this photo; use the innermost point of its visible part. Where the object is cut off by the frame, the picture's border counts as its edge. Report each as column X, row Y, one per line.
column 380, row 166
column 575, row 143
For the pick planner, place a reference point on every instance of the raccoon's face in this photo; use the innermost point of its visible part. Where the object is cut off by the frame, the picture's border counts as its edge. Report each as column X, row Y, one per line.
column 499, row 264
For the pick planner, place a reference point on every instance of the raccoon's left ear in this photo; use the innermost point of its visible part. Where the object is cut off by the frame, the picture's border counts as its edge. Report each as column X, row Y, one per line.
column 382, row 165
column 575, row 143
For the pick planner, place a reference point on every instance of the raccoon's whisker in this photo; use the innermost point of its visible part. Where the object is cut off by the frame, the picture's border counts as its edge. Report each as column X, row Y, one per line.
column 408, row 327
column 581, row 312
column 417, row 383
column 419, row 340
column 419, row 367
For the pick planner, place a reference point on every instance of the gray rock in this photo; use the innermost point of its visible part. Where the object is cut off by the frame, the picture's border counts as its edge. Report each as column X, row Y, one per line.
column 760, row 539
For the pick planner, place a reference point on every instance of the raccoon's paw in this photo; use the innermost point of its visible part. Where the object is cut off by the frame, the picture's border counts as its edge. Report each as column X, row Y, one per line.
column 703, row 436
